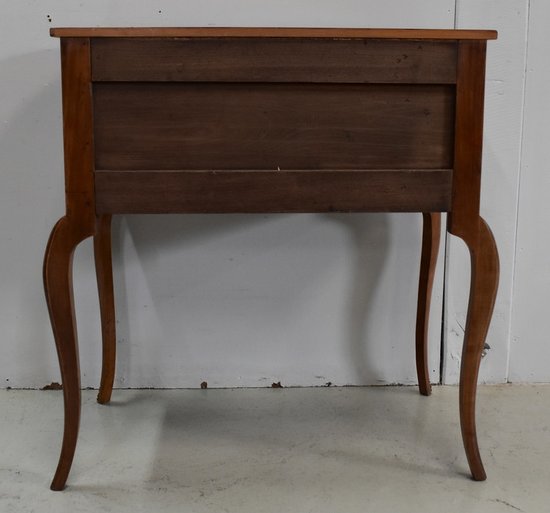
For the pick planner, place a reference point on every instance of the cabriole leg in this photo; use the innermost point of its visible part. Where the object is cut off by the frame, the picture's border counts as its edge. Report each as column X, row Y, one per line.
column 58, row 287
column 483, row 289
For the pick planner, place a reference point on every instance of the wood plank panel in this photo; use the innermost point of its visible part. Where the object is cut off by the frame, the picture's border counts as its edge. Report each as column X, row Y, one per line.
column 436, row 34
column 273, row 60
column 272, row 126
column 249, row 191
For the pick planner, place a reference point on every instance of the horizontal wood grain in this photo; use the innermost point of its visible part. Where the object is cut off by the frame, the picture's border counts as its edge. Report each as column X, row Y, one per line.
column 241, row 191
column 271, row 126
column 271, row 32
column 274, row 60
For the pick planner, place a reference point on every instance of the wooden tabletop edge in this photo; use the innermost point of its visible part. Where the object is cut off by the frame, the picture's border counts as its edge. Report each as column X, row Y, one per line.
column 367, row 33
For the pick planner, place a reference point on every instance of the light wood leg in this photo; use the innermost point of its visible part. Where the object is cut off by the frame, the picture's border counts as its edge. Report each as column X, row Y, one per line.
column 58, row 287
column 430, row 248
column 104, row 272
column 483, row 289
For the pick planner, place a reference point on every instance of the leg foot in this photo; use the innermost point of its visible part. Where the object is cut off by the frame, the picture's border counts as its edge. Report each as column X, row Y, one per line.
column 484, row 284
column 59, row 296
column 104, row 272
column 430, row 248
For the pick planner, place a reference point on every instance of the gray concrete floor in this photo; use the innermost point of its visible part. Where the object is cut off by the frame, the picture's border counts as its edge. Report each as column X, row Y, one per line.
column 278, row 450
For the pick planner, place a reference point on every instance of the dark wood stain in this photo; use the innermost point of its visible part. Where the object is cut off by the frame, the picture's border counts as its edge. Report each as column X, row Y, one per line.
column 274, row 60
column 470, row 92
column 273, row 191
column 273, row 126
column 104, row 274
column 431, row 232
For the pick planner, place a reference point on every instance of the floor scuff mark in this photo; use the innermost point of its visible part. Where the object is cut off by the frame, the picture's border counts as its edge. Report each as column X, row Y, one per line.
column 506, row 504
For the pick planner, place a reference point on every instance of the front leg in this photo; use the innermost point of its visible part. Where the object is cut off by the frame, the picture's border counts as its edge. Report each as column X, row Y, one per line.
column 483, row 289
column 65, row 236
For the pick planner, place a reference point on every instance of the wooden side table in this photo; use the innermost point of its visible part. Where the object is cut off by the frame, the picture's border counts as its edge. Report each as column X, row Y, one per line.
column 179, row 120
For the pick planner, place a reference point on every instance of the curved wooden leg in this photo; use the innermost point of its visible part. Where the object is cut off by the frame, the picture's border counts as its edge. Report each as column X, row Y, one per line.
column 484, row 284
column 104, row 272
column 59, row 295
column 430, row 248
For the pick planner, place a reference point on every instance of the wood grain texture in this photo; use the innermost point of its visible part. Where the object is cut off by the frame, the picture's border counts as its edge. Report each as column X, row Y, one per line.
column 273, row 191
column 104, row 274
column 58, row 288
column 470, row 91
column 271, row 32
column 272, row 126
column 273, row 60
column 483, row 289
column 78, row 223
column 431, row 232
column 77, row 129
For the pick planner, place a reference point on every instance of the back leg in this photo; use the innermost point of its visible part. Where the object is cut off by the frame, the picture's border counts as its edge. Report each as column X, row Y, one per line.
column 104, row 272
column 430, row 248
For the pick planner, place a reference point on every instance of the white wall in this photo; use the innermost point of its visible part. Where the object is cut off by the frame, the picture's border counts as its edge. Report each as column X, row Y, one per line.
column 243, row 300
column 499, row 188
column 530, row 347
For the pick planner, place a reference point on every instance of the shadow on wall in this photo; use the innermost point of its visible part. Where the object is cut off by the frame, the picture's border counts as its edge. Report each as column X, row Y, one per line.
column 367, row 268
column 285, row 264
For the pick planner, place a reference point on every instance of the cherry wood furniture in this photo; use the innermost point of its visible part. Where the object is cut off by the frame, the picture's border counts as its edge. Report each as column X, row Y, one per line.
column 270, row 120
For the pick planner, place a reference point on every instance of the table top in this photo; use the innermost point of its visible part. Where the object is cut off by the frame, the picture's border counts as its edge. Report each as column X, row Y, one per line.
column 346, row 33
